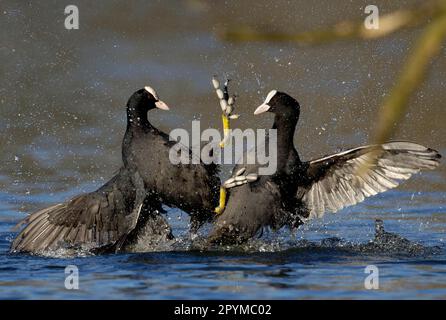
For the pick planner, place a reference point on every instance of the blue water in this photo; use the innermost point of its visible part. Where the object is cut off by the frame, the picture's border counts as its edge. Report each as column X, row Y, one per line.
column 62, row 119
column 278, row 267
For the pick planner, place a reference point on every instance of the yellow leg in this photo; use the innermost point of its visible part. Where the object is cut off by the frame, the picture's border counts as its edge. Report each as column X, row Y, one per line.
column 225, row 121
column 222, row 202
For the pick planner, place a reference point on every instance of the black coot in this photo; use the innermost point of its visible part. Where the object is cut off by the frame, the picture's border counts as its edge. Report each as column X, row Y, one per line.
column 298, row 190
column 192, row 187
column 127, row 208
column 109, row 216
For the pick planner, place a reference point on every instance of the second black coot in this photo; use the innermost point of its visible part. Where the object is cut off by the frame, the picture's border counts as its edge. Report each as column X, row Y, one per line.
column 299, row 190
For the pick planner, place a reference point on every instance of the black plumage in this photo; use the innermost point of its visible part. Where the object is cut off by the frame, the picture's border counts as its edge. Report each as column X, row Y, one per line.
column 127, row 208
column 100, row 219
column 191, row 187
column 299, row 191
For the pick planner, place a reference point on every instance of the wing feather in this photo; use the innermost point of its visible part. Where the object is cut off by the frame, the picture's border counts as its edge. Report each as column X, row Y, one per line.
column 348, row 177
column 93, row 220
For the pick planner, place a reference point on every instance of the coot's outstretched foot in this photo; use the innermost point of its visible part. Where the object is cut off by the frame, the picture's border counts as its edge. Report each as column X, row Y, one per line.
column 227, row 107
column 238, row 179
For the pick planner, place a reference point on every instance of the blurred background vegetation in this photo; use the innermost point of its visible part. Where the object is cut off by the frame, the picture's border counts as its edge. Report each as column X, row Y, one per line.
column 429, row 14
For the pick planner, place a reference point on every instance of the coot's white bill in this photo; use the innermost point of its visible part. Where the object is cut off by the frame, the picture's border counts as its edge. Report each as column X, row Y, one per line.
column 161, row 105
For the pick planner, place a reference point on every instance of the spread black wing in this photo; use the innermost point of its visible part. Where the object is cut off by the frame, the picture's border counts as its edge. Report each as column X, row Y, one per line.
column 91, row 220
column 346, row 178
